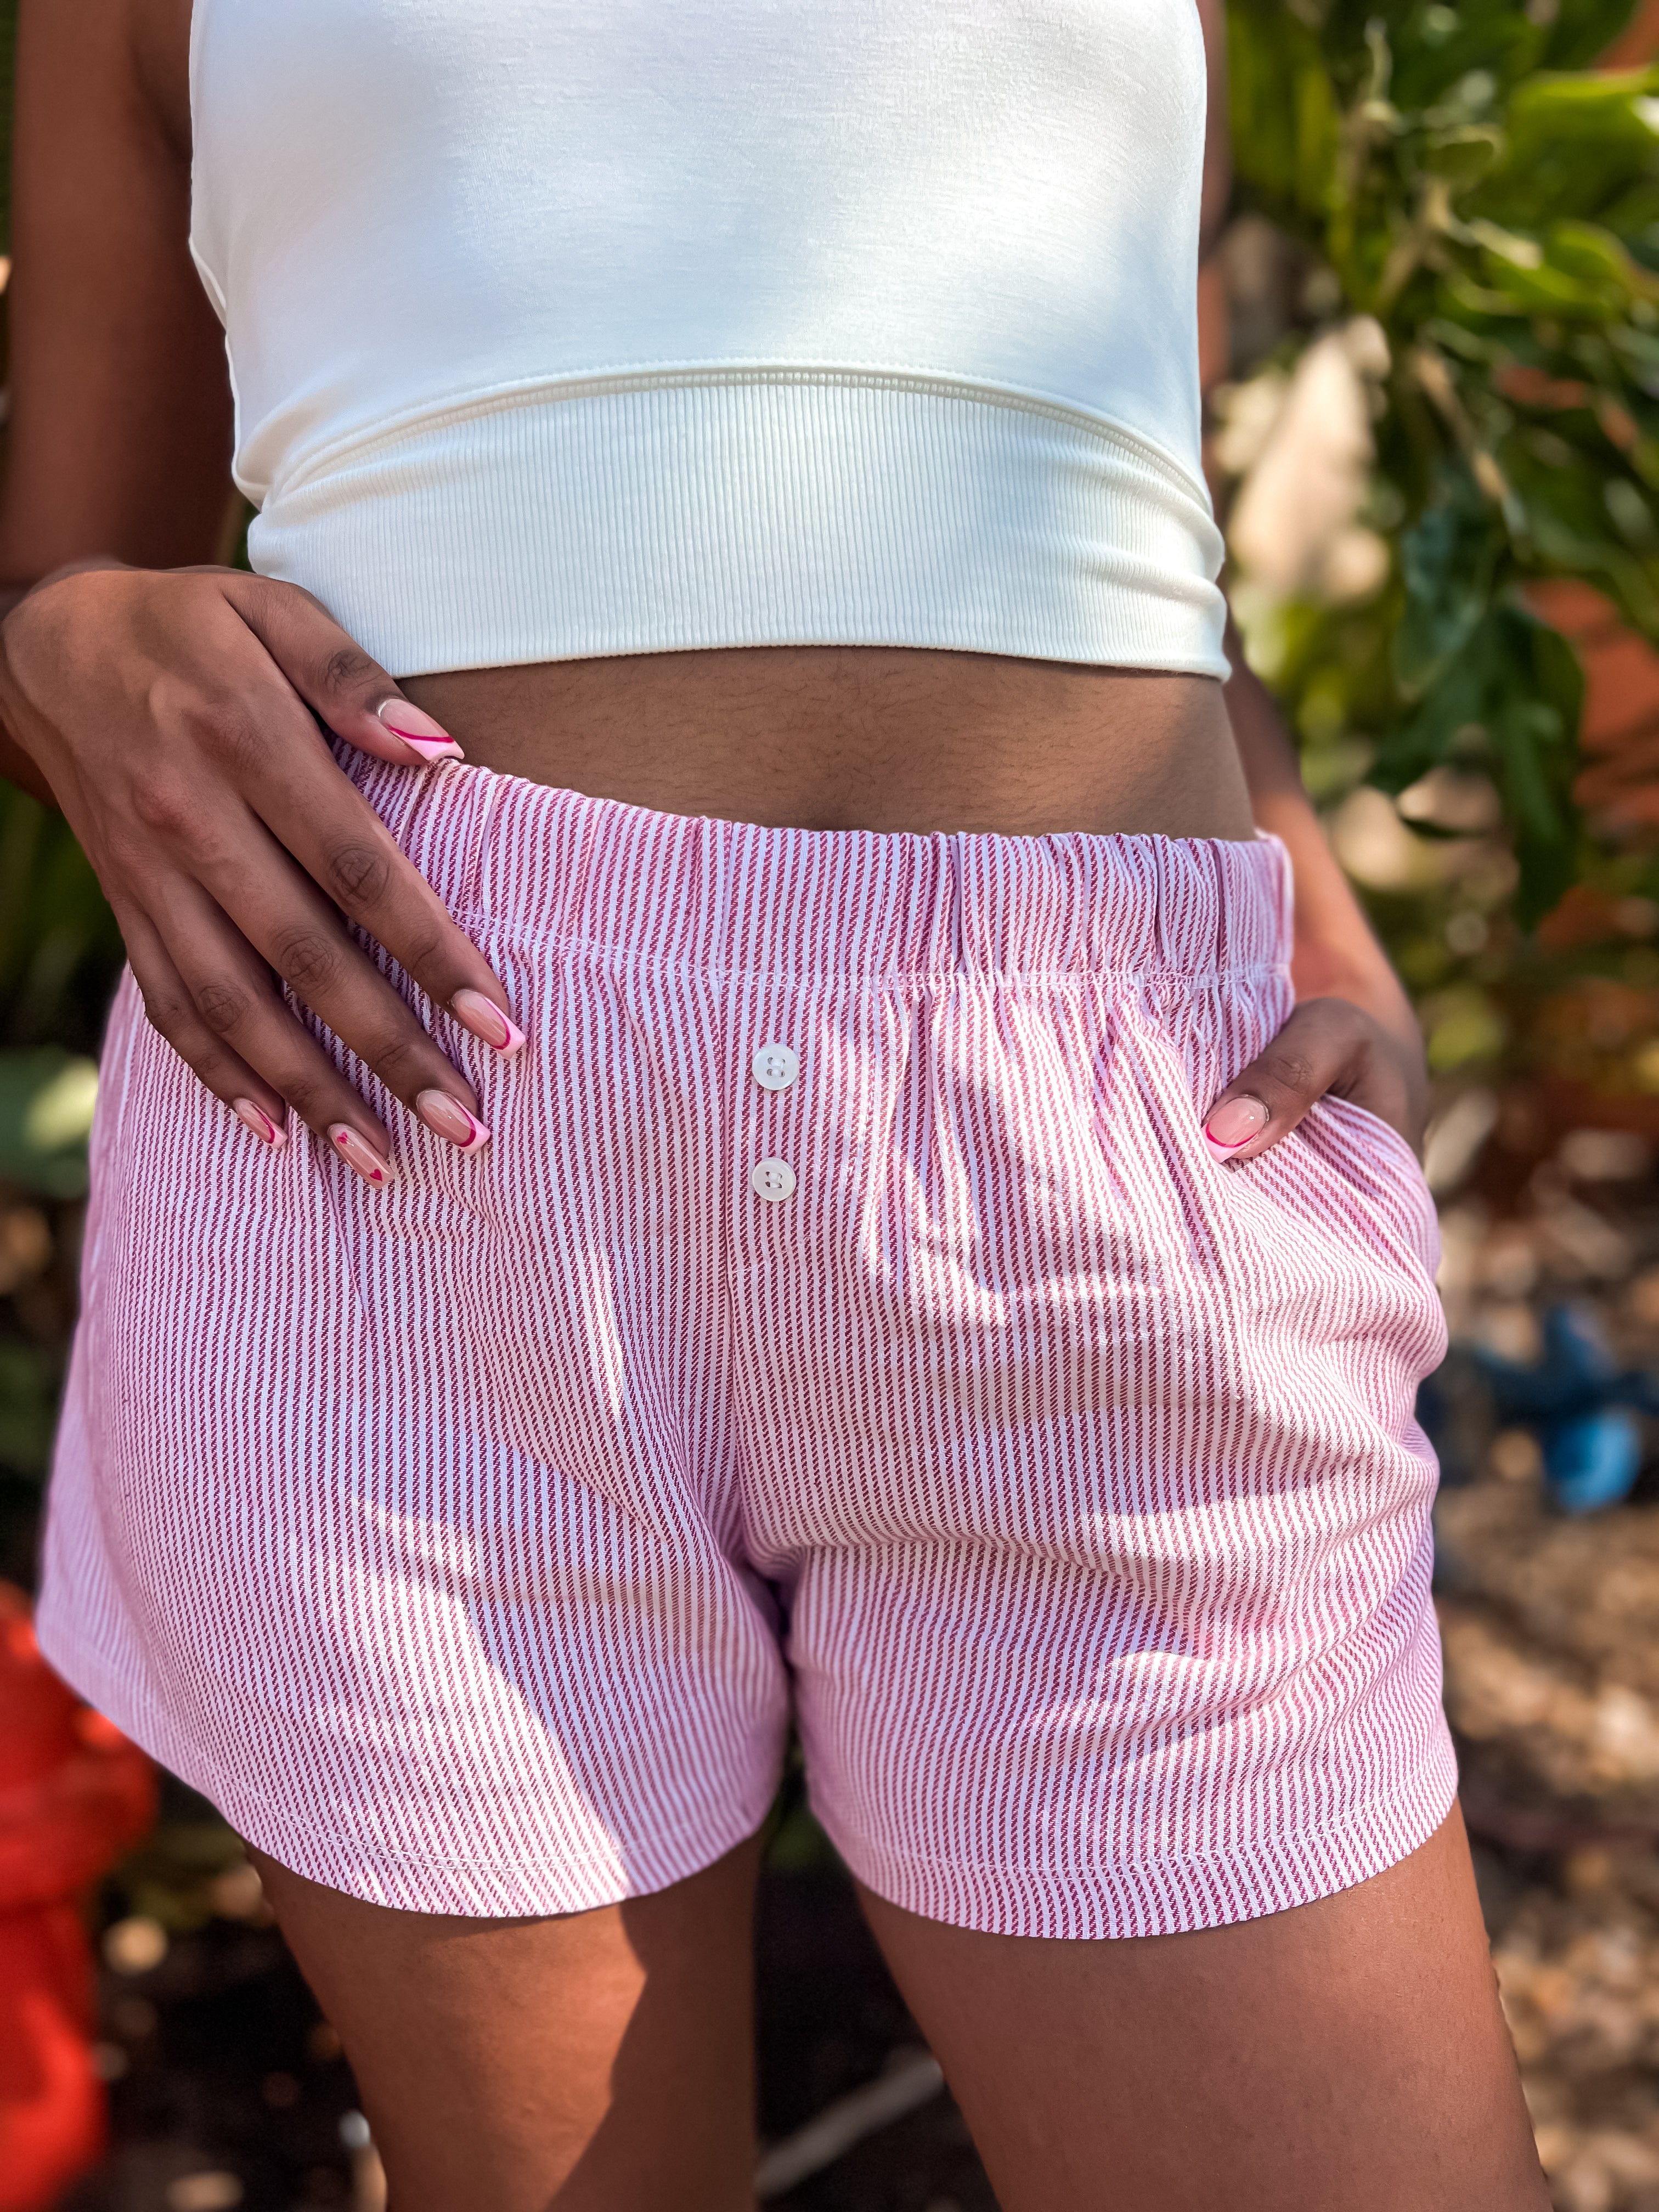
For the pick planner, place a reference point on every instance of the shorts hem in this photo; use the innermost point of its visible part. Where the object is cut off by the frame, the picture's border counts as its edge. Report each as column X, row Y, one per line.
column 409, row 1881
column 1171, row 1897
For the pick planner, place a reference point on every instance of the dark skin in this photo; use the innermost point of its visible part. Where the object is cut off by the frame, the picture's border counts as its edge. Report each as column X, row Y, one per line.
column 1349, row 2056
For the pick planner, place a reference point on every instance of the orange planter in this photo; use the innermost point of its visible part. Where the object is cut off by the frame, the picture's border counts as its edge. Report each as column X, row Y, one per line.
column 74, row 1794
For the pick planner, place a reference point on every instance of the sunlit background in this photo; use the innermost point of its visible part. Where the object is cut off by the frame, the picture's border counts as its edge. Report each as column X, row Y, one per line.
column 1432, row 345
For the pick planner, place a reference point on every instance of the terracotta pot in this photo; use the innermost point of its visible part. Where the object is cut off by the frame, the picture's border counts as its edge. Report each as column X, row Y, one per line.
column 74, row 1795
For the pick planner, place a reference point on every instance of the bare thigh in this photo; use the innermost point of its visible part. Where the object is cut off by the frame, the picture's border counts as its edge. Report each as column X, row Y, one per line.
column 1349, row 2056
column 601, row 2063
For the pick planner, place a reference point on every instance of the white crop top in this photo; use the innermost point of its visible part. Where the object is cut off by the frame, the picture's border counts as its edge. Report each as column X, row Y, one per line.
column 572, row 327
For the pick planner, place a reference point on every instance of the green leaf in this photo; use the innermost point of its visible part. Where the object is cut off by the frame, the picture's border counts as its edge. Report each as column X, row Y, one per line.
column 1283, row 109
column 1577, row 146
column 1585, row 109
column 1591, row 254
column 1462, row 156
column 1447, row 561
column 46, row 1112
column 1550, row 289
column 1493, row 198
column 1516, row 684
column 1556, row 671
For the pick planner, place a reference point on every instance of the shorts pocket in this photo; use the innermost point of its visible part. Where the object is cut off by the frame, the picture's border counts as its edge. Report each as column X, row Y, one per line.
column 1380, row 1146
column 1361, row 1178
column 1371, row 1128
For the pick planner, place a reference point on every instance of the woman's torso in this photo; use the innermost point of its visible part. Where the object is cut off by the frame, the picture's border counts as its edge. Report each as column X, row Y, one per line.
column 853, row 737
column 540, row 235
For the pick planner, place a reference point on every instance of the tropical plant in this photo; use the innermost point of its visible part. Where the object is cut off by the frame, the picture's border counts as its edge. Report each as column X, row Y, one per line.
column 1459, row 175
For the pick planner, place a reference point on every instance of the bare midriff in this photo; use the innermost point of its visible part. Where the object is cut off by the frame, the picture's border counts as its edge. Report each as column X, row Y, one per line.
column 863, row 738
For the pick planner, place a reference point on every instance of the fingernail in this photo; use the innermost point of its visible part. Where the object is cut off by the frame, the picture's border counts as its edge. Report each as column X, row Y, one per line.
column 357, row 1152
column 451, row 1118
column 256, row 1118
column 430, row 738
column 485, row 1019
column 1233, row 1124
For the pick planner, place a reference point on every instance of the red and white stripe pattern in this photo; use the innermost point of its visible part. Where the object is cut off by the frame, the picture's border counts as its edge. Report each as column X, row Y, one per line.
column 467, row 1541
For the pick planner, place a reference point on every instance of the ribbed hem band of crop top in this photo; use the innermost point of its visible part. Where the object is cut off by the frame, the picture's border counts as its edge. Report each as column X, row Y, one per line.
column 561, row 328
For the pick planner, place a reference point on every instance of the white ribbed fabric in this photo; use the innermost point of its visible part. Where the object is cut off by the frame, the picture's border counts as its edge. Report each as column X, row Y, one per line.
column 438, row 1532
column 566, row 327
column 772, row 509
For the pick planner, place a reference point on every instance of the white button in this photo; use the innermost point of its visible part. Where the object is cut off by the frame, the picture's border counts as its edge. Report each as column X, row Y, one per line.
column 775, row 1066
column 773, row 1179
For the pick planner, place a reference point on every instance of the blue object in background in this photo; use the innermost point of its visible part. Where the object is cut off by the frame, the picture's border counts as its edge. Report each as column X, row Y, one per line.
column 1582, row 1407
column 1593, row 1459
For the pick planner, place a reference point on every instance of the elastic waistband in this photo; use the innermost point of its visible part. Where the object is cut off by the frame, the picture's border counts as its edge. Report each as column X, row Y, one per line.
column 557, row 867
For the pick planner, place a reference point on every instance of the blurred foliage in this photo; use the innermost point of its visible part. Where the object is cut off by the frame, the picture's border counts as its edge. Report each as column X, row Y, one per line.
column 1457, row 173
column 59, row 947
column 46, row 1112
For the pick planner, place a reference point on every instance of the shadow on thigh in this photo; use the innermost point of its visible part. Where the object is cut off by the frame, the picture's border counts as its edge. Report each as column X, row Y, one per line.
column 599, row 2062
column 1347, row 2055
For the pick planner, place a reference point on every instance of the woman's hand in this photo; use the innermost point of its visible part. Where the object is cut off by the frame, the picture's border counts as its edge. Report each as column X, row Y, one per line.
column 171, row 712
column 1329, row 1045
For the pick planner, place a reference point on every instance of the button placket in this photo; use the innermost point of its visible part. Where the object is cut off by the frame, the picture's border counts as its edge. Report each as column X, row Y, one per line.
column 775, row 1067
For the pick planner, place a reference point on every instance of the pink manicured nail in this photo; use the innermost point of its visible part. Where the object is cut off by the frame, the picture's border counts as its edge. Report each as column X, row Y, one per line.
column 357, row 1152
column 451, row 1118
column 485, row 1019
column 256, row 1118
column 1233, row 1125
column 430, row 738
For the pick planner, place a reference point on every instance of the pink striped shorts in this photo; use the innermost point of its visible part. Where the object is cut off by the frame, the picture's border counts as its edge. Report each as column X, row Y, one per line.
column 847, row 1320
